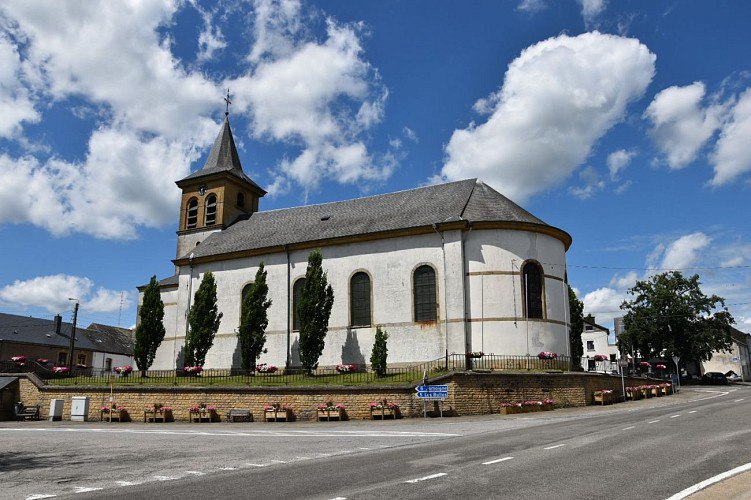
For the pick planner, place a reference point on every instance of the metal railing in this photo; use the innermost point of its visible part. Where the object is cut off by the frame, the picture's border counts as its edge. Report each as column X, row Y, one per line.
column 511, row 363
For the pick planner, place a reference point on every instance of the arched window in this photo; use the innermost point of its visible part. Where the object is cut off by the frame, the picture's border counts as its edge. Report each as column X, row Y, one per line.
column 192, row 219
column 359, row 299
column 243, row 294
column 532, row 285
column 424, row 294
column 296, row 299
column 240, row 200
column 210, row 210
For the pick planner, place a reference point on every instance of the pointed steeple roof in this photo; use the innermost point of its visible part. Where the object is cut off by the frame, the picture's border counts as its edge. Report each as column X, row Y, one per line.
column 223, row 158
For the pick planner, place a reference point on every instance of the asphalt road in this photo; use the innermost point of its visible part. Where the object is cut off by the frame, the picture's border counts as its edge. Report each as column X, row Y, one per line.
column 649, row 449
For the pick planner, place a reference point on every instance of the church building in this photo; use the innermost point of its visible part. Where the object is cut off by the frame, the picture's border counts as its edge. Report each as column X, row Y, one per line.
column 447, row 268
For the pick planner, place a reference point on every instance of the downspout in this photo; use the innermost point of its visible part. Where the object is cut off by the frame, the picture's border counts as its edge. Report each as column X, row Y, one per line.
column 187, row 311
column 465, row 279
column 289, row 331
column 445, row 295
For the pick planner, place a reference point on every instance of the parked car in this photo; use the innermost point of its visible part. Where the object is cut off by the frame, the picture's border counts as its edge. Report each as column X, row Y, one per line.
column 714, row 378
column 733, row 377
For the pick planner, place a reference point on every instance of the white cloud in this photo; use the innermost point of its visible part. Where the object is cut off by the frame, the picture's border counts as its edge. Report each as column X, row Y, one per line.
column 732, row 155
column 52, row 293
column 626, row 281
column 210, row 39
column 16, row 105
column 685, row 251
column 680, row 126
column 410, row 134
column 591, row 9
column 319, row 96
column 592, row 184
column 532, row 5
column 558, row 98
column 619, row 160
column 604, row 304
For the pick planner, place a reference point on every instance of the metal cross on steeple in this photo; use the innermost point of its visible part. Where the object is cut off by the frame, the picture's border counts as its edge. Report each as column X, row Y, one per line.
column 226, row 99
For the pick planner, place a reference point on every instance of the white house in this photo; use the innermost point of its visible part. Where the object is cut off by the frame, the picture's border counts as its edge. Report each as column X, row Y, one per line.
column 446, row 268
column 599, row 353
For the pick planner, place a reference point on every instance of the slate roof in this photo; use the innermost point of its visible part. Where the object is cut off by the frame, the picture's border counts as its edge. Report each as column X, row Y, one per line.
column 14, row 328
column 469, row 200
column 111, row 339
column 223, row 158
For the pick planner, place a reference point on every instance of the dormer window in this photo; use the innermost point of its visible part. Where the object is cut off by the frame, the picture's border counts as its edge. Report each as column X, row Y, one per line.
column 210, row 210
column 240, row 200
column 192, row 219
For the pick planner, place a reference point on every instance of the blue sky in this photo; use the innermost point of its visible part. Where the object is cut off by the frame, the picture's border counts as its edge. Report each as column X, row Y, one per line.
column 626, row 124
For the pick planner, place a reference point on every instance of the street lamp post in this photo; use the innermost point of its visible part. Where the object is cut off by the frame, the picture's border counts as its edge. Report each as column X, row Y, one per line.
column 72, row 335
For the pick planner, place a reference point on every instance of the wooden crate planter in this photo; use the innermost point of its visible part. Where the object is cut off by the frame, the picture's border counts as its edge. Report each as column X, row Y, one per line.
column 548, row 406
column 511, row 410
column 384, row 413
column 201, row 416
column 277, row 415
column 157, row 415
column 603, row 398
column 657, row 391
column 113, row 416
column 330, row 414
column 633, row 394
column 646, row 393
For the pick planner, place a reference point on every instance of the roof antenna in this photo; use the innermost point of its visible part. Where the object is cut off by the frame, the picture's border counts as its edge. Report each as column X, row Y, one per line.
column 226, row 99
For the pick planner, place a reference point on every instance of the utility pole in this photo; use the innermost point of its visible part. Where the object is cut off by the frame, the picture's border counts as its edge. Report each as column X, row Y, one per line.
column 72, row 336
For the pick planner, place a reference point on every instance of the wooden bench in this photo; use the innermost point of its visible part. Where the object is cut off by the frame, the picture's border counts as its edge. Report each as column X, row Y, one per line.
column 26, row 412
column 235, row 415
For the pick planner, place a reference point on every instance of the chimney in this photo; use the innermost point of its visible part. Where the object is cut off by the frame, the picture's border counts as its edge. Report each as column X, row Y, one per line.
column 58, row 323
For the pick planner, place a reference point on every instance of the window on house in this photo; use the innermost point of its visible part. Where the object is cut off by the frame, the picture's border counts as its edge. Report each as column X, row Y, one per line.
column 210, row 210
column 240, row 200
column 192, row 219
column 532, row 286
column 108, row 364
column 590, row 345
column 588, row 328
column 81, row 359
column 62, row 358
column 591, row 365
column 612, row 358
column 426, row 307
column 296, row 299
column 359, row 299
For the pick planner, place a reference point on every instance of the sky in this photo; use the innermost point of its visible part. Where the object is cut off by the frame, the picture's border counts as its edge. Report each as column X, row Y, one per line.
column 627, row 124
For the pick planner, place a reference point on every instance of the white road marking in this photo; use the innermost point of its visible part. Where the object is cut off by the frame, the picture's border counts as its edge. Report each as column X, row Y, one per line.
column 257, row 465
column 227, row 468
column 719, row 393
column 126, row 483
column 41, row 495
column 194, row 472
column 692, row 411
column 708, row 482
column 255, row 433
column 84, row 489
column 554, row 447
column 653, row 422
column 432, row 476
column 498, row 460
column 629, row 428
column 674, row 416
column 164, row 478
column 279, row 461
column 364, row 448
column 339, row 498
column 738, row 400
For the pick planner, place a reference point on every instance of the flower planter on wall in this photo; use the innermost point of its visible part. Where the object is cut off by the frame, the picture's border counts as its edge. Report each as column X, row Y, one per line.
column 277, row 415
column 383, row 413
column 330, row 414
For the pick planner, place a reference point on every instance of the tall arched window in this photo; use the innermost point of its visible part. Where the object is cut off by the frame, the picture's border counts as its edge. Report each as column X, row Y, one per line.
column 243, row 294
column 210, row 210
column 240, row 200
column 359, row 299
column 192, row 218
column 426, row 307
column 532, row 285
column 296, row 299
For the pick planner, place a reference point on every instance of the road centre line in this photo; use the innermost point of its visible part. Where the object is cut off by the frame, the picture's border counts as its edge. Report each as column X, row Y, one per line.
column 40, row 496
column 257, row 465
column 738, row 400
column 629, row 428
column 432, row 476
column 653, row 422
column 554, row 447
column 84, row 489
column 497, row 460
column 692, row 411
column 708, row 482
column 674, row 416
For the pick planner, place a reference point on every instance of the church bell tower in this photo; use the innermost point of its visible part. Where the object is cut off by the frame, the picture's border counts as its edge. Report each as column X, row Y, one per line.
column 217, row 195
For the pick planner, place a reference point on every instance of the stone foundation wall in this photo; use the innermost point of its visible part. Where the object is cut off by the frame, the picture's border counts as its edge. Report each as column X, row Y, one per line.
column 469, row 394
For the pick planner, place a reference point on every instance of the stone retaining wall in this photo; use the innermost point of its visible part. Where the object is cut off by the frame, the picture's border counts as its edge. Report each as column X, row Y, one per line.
column 469, row 394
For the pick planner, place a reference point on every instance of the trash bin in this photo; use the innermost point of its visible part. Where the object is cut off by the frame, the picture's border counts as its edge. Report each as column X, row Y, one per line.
column 56, row 410
column 79, row 408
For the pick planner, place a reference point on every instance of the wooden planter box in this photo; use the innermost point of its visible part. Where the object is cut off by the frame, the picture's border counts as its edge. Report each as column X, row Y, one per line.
column 633, row 395
column 277, row 415
column 646, row 393
column 157, row 415
column 603, row 399
column 203, row 416
column 665, row 390
column 113, row 416
column 383, row 413
column 548, row 406
column 329, row 415
column 511, row 410
column 657, row 391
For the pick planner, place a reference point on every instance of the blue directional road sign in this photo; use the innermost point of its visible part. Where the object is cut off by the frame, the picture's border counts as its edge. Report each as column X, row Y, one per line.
column 433, row 391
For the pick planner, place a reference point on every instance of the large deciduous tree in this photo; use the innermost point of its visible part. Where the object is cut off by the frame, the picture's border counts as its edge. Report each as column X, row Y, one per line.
column 670, row 313
column 203, row 319
column 576, row 320
column 254, row 320
column 315, row 310
column 150, row 329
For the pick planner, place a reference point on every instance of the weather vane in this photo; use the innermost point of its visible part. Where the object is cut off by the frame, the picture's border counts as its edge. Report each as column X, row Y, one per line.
column 226, row 99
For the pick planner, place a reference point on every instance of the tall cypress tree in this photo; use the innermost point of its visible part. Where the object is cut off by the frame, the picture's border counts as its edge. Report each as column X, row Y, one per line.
column 204, row 319
column 380, row 352
column 150, row 329
column 254, row 320
column 576, row 312
column 315, row 310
